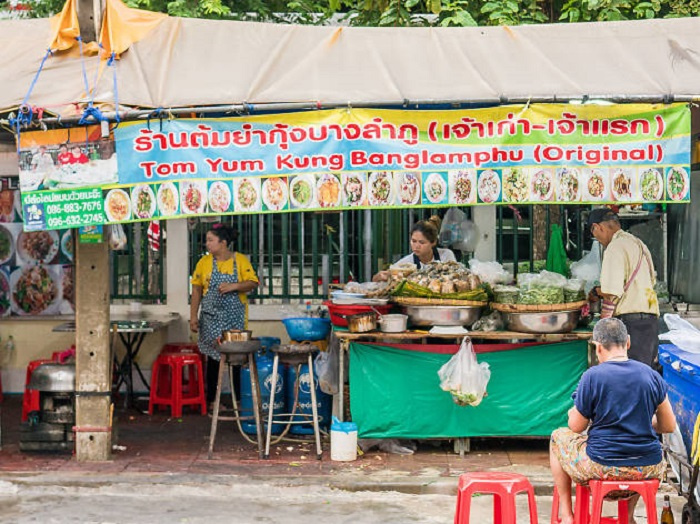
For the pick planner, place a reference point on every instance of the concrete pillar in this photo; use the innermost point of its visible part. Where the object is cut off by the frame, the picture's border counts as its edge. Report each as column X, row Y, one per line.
column 177, row 277
column 89, row 18
column 485, row 219
column 93, row 380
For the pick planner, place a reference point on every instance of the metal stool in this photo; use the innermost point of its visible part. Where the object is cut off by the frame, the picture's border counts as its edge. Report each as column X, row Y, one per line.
column 238, row 354
column 294, row 355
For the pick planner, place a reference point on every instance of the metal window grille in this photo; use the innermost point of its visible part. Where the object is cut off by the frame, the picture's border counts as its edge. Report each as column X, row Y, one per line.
column 138, row 271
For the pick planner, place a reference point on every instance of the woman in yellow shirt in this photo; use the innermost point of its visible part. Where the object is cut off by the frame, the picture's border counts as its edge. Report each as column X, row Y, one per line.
column 220, row 284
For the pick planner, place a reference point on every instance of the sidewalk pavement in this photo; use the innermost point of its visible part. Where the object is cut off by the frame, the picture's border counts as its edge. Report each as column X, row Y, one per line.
column 161, row 450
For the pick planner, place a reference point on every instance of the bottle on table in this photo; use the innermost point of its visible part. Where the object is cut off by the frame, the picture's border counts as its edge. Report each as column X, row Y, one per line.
column 666, row 513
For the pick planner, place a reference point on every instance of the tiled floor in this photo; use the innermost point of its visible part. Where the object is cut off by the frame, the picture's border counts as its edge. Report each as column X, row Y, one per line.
column 160, row 444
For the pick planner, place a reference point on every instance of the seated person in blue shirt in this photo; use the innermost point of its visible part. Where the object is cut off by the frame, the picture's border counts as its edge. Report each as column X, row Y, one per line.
column 623, row 405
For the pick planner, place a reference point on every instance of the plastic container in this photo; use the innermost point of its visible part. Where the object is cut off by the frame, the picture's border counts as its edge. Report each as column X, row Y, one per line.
column 307, row 329
column 681, row 371
column 343, row 441
column 337, row 309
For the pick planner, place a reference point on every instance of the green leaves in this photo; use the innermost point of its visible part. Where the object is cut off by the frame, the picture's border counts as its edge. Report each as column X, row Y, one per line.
column 443, row 13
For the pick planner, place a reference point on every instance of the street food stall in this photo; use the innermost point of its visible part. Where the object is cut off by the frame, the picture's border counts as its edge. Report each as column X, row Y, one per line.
column 530, row 341
column 323, row 145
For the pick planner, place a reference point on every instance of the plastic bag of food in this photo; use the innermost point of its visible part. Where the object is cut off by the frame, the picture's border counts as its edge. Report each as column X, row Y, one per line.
column 464, row 377
column 544, row 289
column 117, row 237
column 490, row 272
column 681, row 333
column 524, row 279
column 588, row 268
column 505, row 294
column 573, row 290
column 492, row 322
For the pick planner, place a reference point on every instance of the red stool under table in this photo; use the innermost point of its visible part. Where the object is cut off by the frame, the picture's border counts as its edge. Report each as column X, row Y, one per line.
column 503, row 487
column 599, row 489
column 176, row 381
column 30, row 399
column 180, row 347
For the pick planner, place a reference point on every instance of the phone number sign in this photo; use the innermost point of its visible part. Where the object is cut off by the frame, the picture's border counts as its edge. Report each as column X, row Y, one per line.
column 62, row 209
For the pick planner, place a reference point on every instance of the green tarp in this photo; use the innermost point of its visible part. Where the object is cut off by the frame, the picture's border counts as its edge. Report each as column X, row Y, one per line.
column 395, row 393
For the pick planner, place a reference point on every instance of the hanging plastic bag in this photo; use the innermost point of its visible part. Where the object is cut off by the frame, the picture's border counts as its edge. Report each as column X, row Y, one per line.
column 451, row 231
column 464, row 377
column 681, row 333
column 588, row 268
column 556, row 254
column 117, row 237
column 326, row 365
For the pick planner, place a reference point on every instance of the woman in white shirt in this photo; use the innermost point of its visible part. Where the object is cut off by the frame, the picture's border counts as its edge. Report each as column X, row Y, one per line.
column 424, row 237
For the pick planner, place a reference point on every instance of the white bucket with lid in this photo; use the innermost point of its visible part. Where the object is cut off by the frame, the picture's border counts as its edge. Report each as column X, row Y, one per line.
column 343, row 441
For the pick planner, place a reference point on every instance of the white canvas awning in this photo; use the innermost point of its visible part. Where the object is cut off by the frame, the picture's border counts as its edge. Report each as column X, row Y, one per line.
column 191, row 62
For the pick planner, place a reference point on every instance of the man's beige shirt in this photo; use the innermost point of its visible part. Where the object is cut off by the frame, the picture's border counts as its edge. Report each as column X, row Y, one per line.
column 620, row 259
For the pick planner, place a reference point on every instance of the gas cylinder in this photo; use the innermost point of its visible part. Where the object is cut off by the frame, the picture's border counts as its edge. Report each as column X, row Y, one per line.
column 264, row 363
column 324, row 402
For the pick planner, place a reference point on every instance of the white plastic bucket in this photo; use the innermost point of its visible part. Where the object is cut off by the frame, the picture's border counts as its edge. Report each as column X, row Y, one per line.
column 343, row 441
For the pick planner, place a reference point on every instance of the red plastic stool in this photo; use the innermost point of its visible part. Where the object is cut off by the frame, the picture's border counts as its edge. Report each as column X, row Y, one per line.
column 180, row 347
column 503, row 487
column 600, row 488
column 30, row 399
column 177, row 380
column 581, row 505
column 583, row 514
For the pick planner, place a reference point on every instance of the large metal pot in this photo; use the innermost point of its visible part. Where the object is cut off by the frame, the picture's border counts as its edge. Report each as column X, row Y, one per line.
column 53, row 377
column 443, row 315
column 236, row 335
column 544, row 323
column 362, row 322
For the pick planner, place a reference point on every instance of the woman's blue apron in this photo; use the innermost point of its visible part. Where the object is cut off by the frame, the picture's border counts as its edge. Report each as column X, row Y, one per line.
column 219, row 311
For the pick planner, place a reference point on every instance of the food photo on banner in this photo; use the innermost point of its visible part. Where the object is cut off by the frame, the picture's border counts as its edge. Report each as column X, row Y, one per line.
column 36, row 267
column 357, row 158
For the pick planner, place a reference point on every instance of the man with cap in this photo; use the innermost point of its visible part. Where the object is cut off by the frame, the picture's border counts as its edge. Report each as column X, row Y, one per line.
column 627, row 280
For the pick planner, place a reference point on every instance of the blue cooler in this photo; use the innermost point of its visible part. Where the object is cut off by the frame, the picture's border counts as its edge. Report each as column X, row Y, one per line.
column 682, row 374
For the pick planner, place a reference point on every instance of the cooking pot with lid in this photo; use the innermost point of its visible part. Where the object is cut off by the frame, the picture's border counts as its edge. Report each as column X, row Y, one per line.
column 395, row 323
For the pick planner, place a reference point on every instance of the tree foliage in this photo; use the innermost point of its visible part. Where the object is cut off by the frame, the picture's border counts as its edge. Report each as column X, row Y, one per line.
column 445, row 13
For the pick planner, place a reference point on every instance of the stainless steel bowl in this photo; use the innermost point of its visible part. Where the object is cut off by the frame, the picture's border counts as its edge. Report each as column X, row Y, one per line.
column 545, row 322
column 442, row 315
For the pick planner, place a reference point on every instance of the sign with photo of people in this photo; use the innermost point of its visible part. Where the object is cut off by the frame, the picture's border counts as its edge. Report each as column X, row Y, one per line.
column 356, row 159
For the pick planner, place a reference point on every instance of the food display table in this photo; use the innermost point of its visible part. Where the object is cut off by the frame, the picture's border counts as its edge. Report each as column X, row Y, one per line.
column 395, row 391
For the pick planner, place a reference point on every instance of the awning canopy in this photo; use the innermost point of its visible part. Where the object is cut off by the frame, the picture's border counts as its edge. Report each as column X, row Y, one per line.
column 190, row 62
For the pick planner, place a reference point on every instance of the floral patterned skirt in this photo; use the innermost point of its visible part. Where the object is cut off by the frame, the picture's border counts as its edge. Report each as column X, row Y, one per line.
column 570, row 450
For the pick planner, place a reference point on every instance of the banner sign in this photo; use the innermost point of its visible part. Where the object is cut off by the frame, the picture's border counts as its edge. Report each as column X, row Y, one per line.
column 367, row 158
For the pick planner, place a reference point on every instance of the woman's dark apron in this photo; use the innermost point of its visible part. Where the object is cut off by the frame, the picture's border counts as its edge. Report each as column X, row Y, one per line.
column 219, row 311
